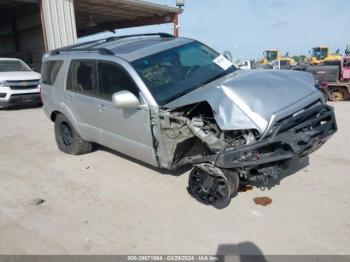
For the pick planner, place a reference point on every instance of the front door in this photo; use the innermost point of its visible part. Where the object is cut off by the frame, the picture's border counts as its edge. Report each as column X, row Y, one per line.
column 125, row 130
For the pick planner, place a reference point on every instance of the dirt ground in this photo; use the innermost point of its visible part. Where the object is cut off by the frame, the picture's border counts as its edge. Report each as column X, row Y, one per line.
column 106, row 203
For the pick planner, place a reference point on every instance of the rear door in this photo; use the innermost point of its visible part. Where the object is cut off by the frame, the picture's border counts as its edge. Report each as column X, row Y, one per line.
column 125, row 130
column 81, row 96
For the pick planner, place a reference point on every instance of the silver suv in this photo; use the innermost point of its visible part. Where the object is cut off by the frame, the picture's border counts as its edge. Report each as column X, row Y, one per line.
column 175, row 102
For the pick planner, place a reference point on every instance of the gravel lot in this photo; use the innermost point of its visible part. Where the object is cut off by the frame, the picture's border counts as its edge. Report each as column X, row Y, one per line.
column 106, row 203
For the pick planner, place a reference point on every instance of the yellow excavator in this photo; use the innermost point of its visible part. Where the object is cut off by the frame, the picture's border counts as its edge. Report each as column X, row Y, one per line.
column 322, row 54
column 272, row 55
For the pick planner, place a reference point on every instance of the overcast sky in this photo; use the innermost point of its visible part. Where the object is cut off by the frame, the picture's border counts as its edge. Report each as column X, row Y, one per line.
column 247, row 27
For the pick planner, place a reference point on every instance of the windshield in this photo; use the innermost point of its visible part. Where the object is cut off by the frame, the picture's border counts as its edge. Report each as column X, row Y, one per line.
column 13, row 66
column 271, row 55
column 177, row 71
column 319, row 53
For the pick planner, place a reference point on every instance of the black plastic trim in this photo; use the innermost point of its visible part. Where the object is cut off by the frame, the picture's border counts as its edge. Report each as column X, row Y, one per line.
column 297, row 136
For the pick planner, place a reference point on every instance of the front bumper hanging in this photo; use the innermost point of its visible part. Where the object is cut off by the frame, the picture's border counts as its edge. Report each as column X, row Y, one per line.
column 296, row 136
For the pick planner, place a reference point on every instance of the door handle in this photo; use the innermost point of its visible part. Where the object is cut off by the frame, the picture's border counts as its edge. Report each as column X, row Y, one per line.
column 101, row 107
column 70, row 98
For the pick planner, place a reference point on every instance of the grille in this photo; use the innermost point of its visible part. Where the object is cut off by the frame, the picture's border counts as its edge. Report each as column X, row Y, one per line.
column 292, row 120
column 23, row 84
column 24, row 95
column 312, row 113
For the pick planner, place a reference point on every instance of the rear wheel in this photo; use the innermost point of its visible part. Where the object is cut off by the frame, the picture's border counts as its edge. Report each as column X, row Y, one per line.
column 68, row 140
column 336, row 95
column 213, row 189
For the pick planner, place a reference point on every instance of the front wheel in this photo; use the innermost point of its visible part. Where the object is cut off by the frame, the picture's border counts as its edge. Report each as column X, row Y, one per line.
column 68, row 140
column 213, row 189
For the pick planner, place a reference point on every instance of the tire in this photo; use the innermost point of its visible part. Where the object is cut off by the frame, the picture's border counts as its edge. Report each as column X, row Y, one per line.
column 205, row 187
column 337, row 94
column 68, row 140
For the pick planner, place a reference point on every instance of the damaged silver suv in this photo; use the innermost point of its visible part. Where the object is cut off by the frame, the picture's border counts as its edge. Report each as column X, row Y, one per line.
column 175, row 102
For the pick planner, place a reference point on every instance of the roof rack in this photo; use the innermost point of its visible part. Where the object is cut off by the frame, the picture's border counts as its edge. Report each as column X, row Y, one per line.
column 103, row 51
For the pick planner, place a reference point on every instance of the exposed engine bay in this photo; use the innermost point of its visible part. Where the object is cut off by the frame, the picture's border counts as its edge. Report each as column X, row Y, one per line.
column 187, row 134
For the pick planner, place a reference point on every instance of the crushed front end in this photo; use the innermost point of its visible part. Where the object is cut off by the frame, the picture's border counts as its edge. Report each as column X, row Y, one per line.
column 293, row 137
column 224, row 159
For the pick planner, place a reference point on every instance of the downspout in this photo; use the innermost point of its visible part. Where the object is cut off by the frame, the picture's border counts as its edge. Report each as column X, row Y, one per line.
column 43, row 25
column 176, row 25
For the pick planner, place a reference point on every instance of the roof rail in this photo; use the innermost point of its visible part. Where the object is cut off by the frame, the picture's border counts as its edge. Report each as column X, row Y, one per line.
column 162, row 35
column 105, row 51
column 102, row 51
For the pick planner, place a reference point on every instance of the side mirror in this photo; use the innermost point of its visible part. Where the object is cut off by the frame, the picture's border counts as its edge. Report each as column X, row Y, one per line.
column 125, row 99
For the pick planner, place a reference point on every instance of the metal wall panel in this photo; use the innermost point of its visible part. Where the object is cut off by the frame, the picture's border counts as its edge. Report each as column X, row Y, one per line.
column 59, row 23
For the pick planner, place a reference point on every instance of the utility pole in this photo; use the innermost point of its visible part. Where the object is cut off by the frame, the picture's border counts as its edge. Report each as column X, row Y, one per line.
column 179, row 4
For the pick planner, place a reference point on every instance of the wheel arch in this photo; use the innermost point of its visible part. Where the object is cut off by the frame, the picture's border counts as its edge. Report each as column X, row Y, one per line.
column 54, row 115
column 344, row 89
column 325, row 94
column 66, row 111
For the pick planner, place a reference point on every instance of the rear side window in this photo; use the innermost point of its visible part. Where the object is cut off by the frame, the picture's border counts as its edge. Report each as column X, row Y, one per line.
column 112, row 78
column 81, row 77
column 50, row 71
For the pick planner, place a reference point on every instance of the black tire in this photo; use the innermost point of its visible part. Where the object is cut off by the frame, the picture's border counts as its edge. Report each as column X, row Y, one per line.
column 336, row 94
column 215, row 190
column 68, row 140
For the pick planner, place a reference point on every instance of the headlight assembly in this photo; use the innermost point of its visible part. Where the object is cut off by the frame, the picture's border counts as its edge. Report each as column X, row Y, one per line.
column 3, row 83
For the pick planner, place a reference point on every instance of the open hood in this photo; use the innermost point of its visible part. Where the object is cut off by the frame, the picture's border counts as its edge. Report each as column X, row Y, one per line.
column 248, row 99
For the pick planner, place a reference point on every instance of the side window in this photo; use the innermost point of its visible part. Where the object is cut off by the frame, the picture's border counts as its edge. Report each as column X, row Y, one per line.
column 112, row 78
column 50, row 71
column 81, row 77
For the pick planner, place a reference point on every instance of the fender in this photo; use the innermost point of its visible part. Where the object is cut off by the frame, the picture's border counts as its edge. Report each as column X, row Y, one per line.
column 64, row 109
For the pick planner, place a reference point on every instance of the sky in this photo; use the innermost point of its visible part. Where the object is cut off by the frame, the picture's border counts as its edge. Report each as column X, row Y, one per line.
column 248, row 27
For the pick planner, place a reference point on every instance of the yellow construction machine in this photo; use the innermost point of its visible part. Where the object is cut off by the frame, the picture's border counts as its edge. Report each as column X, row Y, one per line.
column 322, row 54
column 272, row 55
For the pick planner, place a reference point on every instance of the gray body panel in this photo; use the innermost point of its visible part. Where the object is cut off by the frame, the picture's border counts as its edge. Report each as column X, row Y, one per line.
column 248, row 99
column 97, row 120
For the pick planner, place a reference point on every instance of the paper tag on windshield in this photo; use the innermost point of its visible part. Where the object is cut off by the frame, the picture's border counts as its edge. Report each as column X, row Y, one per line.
column 223, row 62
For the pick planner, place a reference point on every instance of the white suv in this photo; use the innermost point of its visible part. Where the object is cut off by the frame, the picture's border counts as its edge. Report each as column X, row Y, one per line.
column 19, row 85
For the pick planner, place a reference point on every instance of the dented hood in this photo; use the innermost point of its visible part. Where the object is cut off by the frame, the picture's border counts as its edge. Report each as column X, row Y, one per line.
column 246, row 99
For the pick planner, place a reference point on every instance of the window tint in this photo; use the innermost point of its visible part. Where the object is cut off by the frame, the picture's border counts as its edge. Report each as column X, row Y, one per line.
column 193, row 56
column 179, row 70
column 81, row 77
column 113, row 78
column 50, row 71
